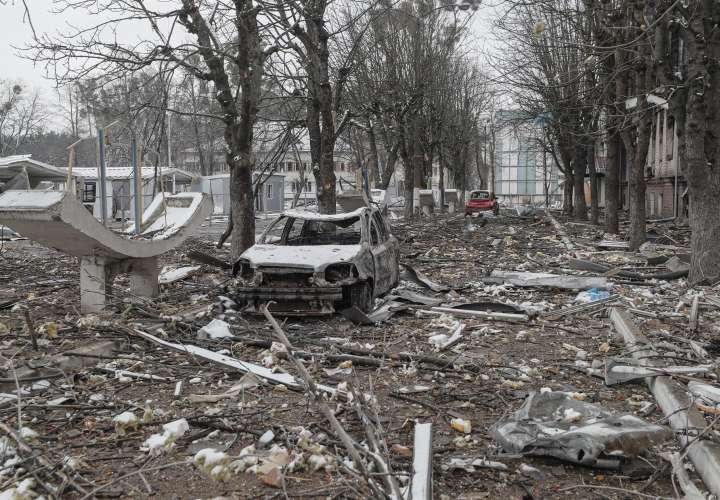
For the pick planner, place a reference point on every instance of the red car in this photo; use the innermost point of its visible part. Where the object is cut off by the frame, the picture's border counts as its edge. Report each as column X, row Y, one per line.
column 481, row 201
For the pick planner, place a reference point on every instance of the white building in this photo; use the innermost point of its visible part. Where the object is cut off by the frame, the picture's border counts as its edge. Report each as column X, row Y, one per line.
column 294, row 165
column 119, row 191
column 524, row 172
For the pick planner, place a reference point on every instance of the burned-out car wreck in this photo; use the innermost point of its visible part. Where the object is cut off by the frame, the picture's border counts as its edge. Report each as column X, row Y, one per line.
column 308, row 263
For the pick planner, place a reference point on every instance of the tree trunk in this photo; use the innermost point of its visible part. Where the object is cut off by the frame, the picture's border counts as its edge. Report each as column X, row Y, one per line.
column 441, row 180
column 409, row 186
column 636, row 202
column 594, row 202
column 612, row 181
column 568, row 195
column 636, row 178
column 579, row 167
column 242, row 207
column 374, row 159
column 704, row 208
column 702, row 158
column 390, row 163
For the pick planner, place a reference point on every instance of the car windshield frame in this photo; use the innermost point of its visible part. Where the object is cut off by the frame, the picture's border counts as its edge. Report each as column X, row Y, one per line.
column 487, row 195
column 288, row 222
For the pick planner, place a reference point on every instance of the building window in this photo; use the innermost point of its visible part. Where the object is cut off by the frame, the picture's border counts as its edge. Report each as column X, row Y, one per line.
column 308, row 187
column 269, row 188
column 88, row 194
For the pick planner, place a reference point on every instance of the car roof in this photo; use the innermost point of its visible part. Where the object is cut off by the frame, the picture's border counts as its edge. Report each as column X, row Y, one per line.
column 310, row 215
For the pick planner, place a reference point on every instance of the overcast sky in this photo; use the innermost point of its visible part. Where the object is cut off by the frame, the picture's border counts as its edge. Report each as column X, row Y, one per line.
column 16, row 32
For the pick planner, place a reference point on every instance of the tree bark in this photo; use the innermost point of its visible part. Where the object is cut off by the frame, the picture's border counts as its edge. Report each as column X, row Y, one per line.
column 579, row 167
column 441, row 179
column 374, row 157
column 612, row 181
column 594, row 202
column 409, row 186
column 390, row 163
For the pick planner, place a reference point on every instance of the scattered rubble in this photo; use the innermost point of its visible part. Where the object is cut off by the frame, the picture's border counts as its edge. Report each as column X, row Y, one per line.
column 505, row 363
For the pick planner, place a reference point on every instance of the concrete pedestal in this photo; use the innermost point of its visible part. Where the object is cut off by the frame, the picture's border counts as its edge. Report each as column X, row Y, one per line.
column 427, row 201
column 98, row 273
column 452, row 199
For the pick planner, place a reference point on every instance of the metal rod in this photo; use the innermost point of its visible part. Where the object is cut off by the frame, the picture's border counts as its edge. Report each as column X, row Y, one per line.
column 137, row 185
column 102, row 176
column 70, row 183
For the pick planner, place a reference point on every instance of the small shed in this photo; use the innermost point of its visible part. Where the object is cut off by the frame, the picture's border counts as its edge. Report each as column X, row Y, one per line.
column 119, row 191
column 270, row 195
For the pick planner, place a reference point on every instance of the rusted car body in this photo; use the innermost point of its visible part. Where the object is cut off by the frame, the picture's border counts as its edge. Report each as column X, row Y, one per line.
column 312, row 264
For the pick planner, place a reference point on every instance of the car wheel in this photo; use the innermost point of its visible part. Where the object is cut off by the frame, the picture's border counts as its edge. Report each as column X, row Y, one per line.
column 361, row 296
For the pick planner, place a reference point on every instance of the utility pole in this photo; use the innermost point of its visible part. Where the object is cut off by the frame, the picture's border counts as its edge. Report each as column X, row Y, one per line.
column 545, row 178
column 490, row 188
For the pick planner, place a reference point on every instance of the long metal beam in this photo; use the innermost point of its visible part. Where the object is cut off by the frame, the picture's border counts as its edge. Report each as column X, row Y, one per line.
column 673, row 399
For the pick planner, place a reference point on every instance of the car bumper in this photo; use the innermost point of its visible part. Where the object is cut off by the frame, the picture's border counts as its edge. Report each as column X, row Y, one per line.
column 478, row 209
column 289, row 301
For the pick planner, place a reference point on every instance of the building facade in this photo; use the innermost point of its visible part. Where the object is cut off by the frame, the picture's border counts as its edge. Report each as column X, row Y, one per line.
column 524, row 173
column 294, row 165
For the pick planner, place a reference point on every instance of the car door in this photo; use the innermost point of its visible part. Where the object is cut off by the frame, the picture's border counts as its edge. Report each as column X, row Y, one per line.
column 393, row 249
column 384, row 255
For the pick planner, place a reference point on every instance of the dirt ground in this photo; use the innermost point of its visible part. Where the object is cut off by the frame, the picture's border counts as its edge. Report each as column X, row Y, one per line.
column 68, row 401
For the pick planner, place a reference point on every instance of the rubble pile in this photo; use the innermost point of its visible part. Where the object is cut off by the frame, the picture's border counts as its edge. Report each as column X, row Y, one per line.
column 520, row 355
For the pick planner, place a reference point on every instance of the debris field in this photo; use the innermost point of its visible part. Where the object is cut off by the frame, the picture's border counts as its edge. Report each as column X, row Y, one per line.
column 532, row 387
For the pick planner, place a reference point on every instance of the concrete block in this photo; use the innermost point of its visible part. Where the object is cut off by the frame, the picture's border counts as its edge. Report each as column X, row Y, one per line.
column 96, row 278
column 144, row 277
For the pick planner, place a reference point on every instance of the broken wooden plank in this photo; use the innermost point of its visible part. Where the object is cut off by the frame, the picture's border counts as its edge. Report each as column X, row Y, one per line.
column 673, row 399
column 168, row 276
column 565, row 282
column 561, row 231
column 694, row 314
column 495, row 316
column 264, row 373
column 422, row 481
column 587, row 307
column 454, row 338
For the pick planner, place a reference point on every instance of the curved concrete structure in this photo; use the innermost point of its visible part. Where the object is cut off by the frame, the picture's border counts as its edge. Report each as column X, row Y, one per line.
column 57, row 220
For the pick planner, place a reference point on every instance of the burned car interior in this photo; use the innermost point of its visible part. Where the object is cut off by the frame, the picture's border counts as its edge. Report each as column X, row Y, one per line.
column 299, row 232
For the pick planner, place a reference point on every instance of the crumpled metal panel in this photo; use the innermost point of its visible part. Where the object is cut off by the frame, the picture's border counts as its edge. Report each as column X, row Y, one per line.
column 556, row 425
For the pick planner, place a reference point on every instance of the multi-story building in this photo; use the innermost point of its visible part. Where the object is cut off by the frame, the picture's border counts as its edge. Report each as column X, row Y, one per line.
column 664, row 184
column 523, row 172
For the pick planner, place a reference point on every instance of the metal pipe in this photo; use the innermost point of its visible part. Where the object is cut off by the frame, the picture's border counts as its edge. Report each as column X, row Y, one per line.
column 102, row 176
column 137, row 186
column 673, row 400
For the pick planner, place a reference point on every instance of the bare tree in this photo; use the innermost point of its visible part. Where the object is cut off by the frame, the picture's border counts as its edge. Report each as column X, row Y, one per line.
column 226, row 37
column 22, row 115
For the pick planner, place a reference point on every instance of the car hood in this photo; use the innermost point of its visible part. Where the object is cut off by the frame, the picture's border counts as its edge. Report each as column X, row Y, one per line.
column 315, row 257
